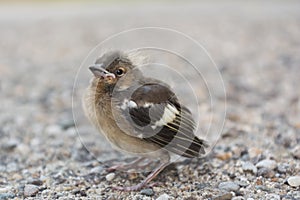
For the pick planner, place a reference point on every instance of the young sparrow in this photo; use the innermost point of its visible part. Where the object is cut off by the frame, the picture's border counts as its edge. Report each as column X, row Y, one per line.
column 139, row 115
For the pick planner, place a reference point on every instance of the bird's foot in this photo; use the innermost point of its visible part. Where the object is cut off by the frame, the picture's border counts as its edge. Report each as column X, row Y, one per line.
column 144, row 182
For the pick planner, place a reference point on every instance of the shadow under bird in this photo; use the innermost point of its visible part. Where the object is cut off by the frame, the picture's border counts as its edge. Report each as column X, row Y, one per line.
column 139, row 115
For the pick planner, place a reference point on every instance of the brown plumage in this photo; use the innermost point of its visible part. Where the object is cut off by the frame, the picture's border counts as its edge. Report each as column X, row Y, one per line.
column 139, row 115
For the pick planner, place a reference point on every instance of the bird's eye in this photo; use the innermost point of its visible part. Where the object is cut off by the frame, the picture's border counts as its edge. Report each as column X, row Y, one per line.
column 120, row 71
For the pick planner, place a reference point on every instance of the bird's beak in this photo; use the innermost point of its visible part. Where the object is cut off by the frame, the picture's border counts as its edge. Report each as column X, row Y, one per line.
column 100, row 72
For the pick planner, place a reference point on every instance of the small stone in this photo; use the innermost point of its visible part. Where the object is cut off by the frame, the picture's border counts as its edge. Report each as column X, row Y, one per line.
column 295, row 194
column 79, row 192
column 20, row 190
column 272, row 197
column 285, row 139
column 23, row 149
column 265, row 172
column 259, row 181
column 270, row 164
column 10, row 145
column 17, row 176
column 163, row 197
column 226, row 196
column 30, row 190
column 296, row 152
column 249, row 167
column 45, row 192
column 262, row 187
column 53, row 129
column 5, row 189
column 66, row 123
column 110, row 176
column 2, row 168
column 238, row 198
column 6, row 196
column 35, row 182
column 224, row 156
column 97, row 170
column 147, row 192
column 253, row 152
column 132, row 175
column 245, row 157
column 282, row 168
column 294, row 181
column 243, row 183
column 229, row 186
column 201, row 186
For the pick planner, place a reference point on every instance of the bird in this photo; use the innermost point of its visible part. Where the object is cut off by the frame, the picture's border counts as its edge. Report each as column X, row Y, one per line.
column 139, row 115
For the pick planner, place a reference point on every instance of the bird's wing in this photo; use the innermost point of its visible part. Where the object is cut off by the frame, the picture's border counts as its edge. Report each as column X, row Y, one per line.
column 157, row 116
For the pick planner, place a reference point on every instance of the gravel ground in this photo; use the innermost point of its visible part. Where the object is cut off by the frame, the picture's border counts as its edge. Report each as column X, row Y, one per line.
column 256, row 45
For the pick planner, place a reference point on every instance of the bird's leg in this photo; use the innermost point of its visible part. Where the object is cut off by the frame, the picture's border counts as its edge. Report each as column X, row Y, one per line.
column 133, row 164
column 151, row 176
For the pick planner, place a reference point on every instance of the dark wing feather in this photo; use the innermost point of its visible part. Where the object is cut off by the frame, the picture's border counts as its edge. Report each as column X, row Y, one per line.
column 176, row 135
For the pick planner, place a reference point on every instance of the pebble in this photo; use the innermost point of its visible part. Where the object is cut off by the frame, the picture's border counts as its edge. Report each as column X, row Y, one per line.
column 5, row 189
column 201, row 186
column 97, row 170
column 23, row 149
column 270, row 164
column 262, row 187
column 294, row 181
column 53, row 129
column 224, row 156
column 272, row 197
column 132, row 175
column 163, row 197
column 30, row 190
column 2, row 168
column 249, row 167
column 110, row 176
column 243, row 183
column 36, row 182
column 295, row 194
column 253, row 152
column 245, row 157
column 282, row 168
column 71, row 132
column 5, row 196
column 229, row 186
column 238, row 198
column 296, row 152
column 45, row 192
column 226, row 196
column 285, row 139
column 10, row 145
column 148, row 192
column 66, row 123
column 266, row 172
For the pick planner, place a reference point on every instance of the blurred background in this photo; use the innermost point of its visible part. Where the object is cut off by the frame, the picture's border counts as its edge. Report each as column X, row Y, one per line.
column 255, row 44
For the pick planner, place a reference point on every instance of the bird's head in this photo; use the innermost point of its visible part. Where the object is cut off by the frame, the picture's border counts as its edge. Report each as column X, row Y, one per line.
column 112, row 67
